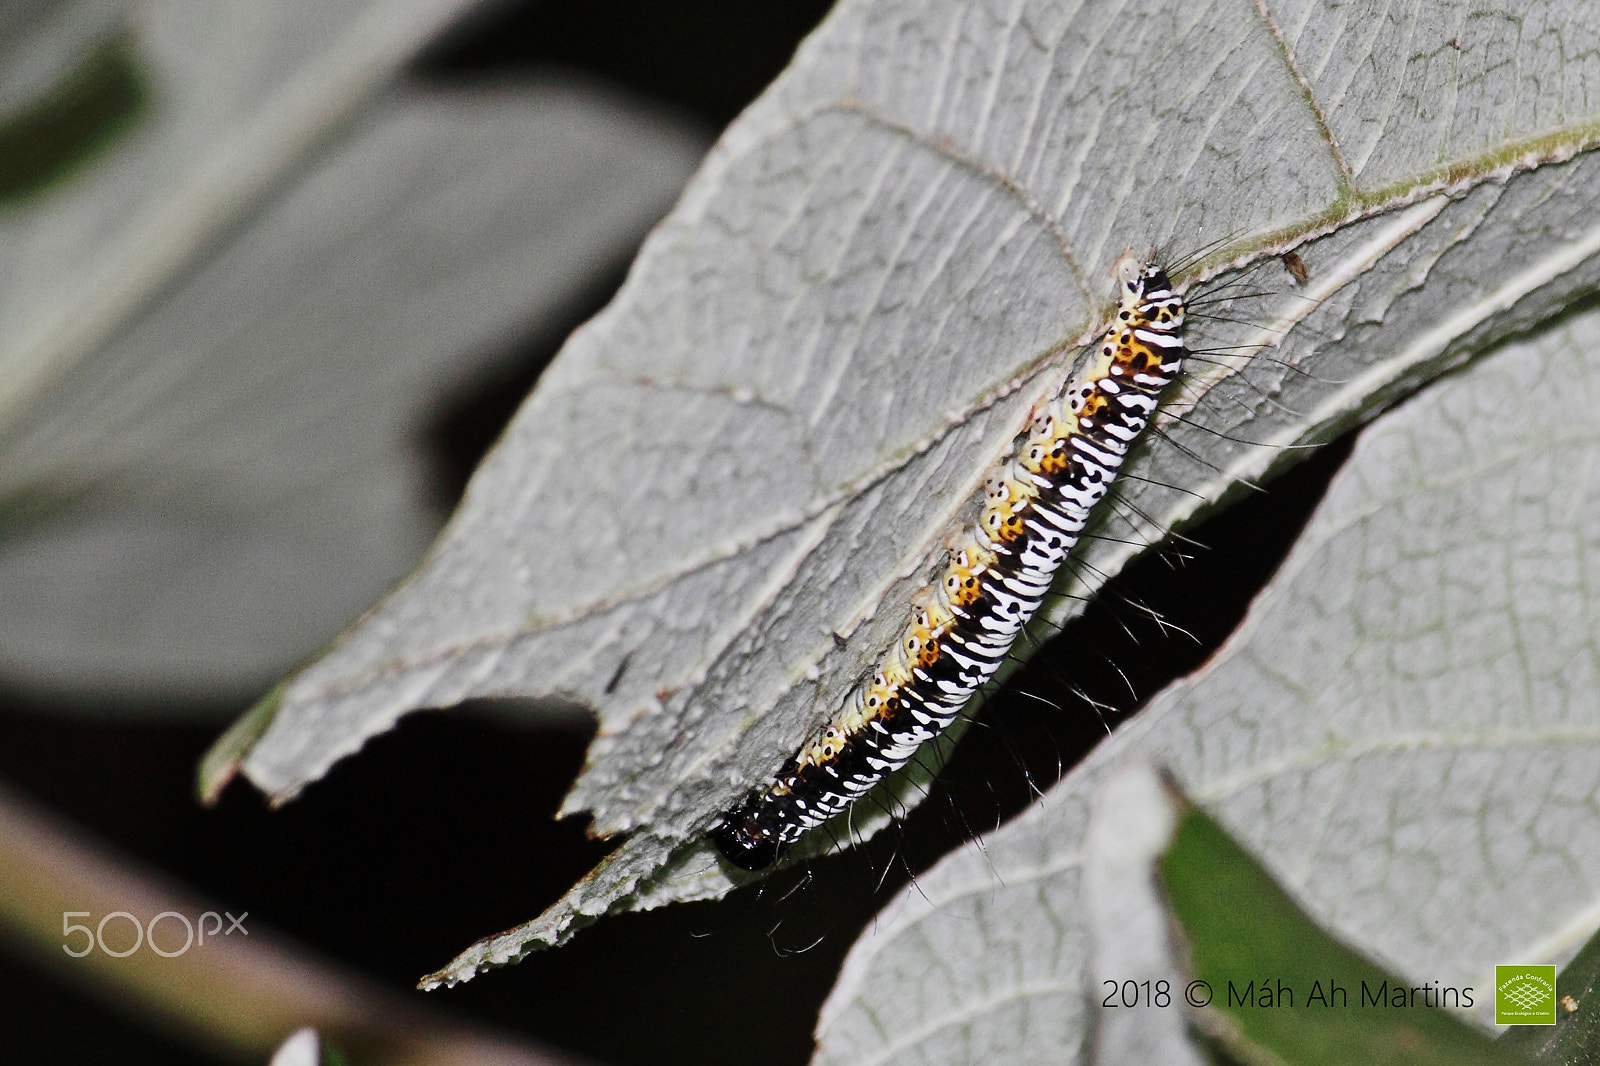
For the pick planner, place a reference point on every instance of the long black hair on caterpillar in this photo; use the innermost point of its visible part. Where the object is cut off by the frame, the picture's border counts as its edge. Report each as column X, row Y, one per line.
column 962, row 627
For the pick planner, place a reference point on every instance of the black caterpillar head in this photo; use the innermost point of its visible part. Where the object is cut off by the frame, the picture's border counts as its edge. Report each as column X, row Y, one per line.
column 741, row 840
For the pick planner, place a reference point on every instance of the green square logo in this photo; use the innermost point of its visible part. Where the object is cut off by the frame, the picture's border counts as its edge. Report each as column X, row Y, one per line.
column 1525, row 995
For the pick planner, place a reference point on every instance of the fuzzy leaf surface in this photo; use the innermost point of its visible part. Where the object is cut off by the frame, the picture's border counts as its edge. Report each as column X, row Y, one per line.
column 706, row 520
column 1405, row 729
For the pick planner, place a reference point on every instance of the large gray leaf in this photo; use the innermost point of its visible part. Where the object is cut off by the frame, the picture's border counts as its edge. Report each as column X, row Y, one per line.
column 205, row 495
column 889, row 259
column 1406, row 728
column 240, row 93
column 42, row 41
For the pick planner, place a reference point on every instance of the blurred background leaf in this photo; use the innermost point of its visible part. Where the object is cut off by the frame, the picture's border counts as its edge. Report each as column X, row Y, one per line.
column 212, row 446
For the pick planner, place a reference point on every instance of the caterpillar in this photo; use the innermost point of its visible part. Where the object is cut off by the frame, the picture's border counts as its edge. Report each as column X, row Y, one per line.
column 962, row 627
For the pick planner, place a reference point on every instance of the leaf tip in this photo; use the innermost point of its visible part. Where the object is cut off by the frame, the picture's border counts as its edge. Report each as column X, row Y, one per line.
column 222, row 761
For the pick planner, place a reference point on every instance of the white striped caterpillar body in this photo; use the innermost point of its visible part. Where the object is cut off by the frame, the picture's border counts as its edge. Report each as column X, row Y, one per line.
column 962, row 627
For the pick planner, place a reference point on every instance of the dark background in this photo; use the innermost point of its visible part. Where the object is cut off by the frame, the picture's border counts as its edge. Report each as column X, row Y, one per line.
column 367, row 867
